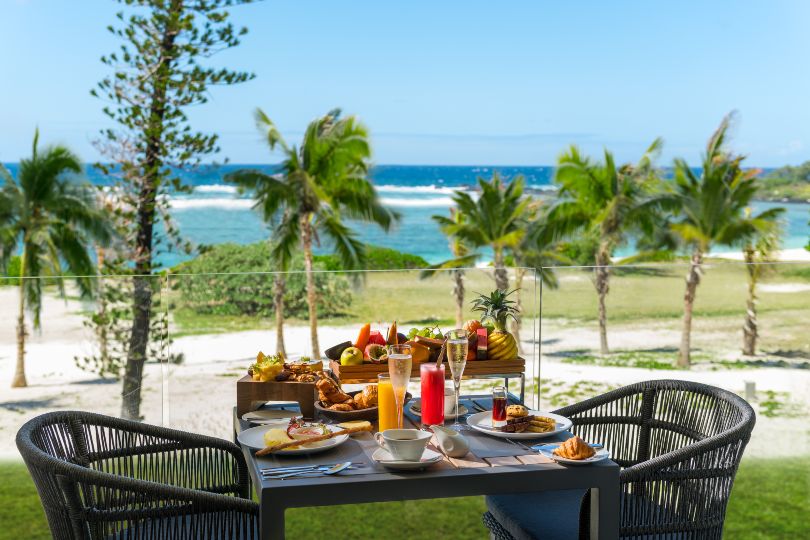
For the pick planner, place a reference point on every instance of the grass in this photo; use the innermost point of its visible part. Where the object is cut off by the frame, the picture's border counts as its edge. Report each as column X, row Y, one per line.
column 770, row 500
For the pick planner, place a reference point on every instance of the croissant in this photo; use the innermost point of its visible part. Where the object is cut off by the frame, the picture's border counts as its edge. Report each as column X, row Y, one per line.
column 574, row 448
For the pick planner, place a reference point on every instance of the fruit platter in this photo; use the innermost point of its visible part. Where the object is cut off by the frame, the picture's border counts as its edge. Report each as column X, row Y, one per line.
column 492, row 349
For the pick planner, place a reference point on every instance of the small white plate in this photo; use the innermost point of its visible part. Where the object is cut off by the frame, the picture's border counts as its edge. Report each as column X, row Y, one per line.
column 547, row 450
column 254, row 438
column 483, row 422
column 268, row 416
column 462, row 410
column 384, row 458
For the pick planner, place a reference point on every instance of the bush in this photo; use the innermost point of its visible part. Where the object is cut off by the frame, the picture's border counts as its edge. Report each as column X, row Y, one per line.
column 379, row 258
column 12, row 271
column 233, row 285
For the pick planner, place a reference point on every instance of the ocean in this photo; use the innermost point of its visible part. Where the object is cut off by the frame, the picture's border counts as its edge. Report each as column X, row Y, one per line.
column 214, row 213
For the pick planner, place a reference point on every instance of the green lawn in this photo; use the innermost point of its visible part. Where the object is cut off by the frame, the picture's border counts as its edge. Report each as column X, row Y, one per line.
column 771, row 500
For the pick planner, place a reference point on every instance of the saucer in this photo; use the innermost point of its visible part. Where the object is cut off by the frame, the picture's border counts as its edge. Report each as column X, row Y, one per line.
column 384, row 458
column 462, row 410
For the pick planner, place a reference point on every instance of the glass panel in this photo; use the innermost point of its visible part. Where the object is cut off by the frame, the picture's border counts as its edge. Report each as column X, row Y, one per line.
column 219, row 322
column 75, row 358
column 644, row 328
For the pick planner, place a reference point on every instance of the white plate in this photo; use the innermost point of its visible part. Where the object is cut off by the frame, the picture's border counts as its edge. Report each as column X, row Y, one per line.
column 268, row 416
column 384, row 458
column 462, row 410
column 483, row 422
column 254, row 438
column 547, row 451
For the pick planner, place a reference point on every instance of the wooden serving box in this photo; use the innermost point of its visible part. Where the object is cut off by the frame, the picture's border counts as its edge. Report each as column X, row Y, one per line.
column 368, row 372
column 250, row 395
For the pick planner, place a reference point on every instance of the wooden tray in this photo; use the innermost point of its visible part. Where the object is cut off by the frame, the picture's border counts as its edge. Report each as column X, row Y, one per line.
column 368, row 372
column 250, row 395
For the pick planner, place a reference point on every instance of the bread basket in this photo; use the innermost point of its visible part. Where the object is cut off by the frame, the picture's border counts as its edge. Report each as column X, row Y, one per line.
column 369, row 414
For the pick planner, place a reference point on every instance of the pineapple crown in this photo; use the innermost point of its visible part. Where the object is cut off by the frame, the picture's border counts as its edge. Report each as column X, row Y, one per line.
column 496, row 307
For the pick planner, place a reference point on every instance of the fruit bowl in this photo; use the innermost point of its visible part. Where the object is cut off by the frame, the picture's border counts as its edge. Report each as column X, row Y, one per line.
column 369, row 414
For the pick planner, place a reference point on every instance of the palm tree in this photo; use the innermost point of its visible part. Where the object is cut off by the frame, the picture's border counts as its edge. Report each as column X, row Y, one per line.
column 758, row 253
column 322, row 182
column 497, row 219
column 463, row 257
column 56, row 222
column 604, row 201
column 709, row 209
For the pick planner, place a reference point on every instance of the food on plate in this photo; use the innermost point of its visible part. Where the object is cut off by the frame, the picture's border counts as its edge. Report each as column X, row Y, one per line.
column 376, row 337
column 362, row 337
column 376, row 353
column 266, row 367
column 352, row 356
column 392, row 335
column 541, row 424
column 276, row 435
column 291, row 442
column 330, row 393
column 356, row 424
column 334, row 352
column 497, row 308
column 367, row 398
column 342, row 407
column 574, row 448
column 517, row 411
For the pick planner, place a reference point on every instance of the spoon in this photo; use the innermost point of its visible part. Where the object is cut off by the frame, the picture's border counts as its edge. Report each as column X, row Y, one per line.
column 328, row 472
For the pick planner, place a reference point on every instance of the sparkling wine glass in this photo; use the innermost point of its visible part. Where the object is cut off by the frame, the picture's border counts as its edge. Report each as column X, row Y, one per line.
column 457, row 358
column 399, row 368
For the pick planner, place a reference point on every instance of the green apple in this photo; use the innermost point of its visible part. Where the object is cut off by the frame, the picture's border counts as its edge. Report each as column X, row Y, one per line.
column 352, row 356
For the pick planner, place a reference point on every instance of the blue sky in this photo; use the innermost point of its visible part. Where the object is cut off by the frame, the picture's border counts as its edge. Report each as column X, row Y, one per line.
column 452, row 82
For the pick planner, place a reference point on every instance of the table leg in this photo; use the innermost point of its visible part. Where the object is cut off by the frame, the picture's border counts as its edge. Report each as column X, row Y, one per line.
column 271, row 526
column 605, row 512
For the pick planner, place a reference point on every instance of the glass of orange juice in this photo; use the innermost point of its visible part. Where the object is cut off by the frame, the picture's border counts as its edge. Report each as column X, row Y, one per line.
column 386, row 403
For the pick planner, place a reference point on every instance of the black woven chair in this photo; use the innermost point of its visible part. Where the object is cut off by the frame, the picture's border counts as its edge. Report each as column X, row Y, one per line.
column 101, row 477
column 679, row 445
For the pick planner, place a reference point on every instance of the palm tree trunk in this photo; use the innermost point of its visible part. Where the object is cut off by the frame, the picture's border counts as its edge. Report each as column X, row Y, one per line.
column 750, row 332
column 19, row 380
column 278, row 302
column 312, row 298
column 517, row 322
column 458, row 292
column 692, row 282
column 501, row 276
column 602, row 284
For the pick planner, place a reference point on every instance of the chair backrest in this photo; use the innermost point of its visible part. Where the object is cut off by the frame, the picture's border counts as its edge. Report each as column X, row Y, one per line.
column 97, row 475
column 680, row 444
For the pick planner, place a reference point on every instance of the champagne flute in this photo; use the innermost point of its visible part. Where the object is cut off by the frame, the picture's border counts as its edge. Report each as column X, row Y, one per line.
column 399, row 368
column 457, row 358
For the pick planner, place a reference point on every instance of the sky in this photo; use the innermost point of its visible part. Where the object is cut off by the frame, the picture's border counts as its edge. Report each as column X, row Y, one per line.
column 451, row 82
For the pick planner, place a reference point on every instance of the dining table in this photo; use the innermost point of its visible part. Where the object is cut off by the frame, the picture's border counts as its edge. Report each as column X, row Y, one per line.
column 492, row 466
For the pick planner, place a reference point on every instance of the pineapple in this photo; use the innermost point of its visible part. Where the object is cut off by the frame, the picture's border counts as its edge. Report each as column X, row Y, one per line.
column 501, row 345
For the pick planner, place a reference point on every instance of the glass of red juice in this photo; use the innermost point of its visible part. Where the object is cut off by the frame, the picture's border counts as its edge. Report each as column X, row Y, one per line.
column 432, row 393
column 498, row 406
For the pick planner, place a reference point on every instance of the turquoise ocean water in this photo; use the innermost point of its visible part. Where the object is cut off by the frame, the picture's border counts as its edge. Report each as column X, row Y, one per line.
column 214, row 213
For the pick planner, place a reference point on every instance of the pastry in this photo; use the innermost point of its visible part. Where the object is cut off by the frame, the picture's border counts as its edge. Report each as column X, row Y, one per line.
column 329, row 393
column 356, row 424
column 541, row 424
column 515, row 424
column 575, row 448
column 345, row 407
column 517, row 411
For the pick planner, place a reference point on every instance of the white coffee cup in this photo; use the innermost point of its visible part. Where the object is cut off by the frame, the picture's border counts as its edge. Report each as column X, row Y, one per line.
column 450, row 402
column 404, row 444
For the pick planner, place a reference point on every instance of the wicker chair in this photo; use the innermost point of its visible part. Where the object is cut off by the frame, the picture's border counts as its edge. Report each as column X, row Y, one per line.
column 101, row 477
column 679, row 445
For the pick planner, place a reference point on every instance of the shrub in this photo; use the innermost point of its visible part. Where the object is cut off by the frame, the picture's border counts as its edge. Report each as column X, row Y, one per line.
column 379, row 258
column 226, row 280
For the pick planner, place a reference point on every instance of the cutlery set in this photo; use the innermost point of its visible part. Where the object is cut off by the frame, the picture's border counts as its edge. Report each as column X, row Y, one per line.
column 279, row 473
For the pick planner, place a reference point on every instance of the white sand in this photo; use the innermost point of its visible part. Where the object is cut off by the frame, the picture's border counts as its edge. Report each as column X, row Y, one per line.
column 785, row 255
